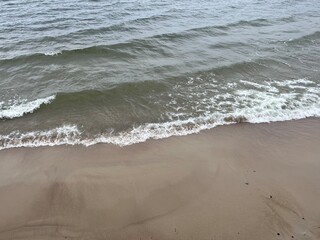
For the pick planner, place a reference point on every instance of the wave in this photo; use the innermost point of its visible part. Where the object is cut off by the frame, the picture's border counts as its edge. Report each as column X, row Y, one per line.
column 254, row 103
column 309, row 38
column 82, row 99
column 131, row 90
column 71, row 135
column 260, row 22
column 22, row 107
column 124, row 49
column 93, row 97
column 111, row 51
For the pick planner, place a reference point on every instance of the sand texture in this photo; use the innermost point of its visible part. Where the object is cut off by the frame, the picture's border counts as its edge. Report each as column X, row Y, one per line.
column 244, row 181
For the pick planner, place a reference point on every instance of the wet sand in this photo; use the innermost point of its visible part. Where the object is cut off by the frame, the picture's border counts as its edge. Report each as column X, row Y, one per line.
column 244, row 181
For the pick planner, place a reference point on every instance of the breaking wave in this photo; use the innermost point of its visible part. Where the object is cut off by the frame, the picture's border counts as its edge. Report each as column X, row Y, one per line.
column 22, row 107
column 262, row 109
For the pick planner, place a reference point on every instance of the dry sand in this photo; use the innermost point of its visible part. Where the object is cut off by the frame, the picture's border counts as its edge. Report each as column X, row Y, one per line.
column 245, row 181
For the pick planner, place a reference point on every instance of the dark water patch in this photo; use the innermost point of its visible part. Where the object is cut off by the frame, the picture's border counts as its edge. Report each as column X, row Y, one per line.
column 228, row 45
column 238, row 119
column 260, row 22
column 144, row 21
column 96, row 51
column 108, row 98
column 290, row 19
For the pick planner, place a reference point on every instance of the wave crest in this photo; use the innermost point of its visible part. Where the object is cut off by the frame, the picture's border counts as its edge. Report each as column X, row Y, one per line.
column 245, row 101
column 20, row 108
column 72, row 135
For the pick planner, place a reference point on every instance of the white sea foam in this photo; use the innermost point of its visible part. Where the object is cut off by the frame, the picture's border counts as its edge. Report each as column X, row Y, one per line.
column 21, row 107
column 52, row 53
column 67, row 134
column 251, row 105
column 71, row 135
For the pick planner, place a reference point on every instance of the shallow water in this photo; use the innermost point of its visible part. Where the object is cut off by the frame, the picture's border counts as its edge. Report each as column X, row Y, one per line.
column 83, row 72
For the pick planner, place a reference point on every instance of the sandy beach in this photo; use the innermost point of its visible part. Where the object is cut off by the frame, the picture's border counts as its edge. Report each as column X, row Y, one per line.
column 243, row 181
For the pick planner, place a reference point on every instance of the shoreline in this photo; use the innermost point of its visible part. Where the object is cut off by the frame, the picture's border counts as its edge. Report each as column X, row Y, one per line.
column 240, row 181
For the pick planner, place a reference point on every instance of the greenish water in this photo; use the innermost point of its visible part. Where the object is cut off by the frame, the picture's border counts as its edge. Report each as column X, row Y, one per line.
column 121, row 72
